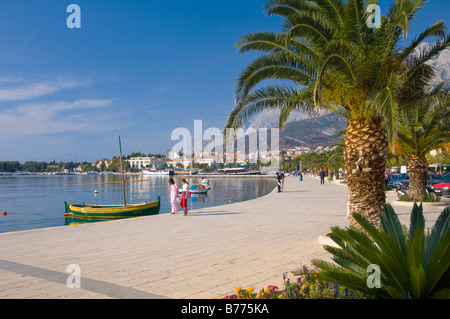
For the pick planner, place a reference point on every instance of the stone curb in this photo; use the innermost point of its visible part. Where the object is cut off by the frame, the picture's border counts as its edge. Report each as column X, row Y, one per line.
column 424, row 204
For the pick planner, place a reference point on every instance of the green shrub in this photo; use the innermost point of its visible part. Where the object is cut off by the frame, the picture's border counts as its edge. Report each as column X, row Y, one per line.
column 415, row 265
column 424, row 199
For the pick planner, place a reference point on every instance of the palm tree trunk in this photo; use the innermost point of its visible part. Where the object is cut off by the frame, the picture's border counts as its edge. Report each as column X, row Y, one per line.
column 365, row 154
column 417, row 168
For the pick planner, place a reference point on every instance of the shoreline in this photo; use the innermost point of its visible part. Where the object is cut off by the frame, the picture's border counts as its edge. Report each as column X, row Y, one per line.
column 206, row 254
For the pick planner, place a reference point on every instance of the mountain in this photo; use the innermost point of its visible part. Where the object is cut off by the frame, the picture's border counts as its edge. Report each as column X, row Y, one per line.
column 441, row 65
column 321, row 130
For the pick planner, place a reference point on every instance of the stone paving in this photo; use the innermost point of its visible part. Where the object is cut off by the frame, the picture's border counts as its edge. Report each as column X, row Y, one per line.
column 206, row 254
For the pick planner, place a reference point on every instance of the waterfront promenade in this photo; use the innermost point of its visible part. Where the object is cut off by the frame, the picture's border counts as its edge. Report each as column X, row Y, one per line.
column 203, row 255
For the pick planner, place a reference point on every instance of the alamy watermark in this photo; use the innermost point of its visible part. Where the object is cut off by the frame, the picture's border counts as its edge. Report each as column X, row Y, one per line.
column 227, row 146
column 74, row 19
column 374, row 279
column 74, row 279
column 374, row 18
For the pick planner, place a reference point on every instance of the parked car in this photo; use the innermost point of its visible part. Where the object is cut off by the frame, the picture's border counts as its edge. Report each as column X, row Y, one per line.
column 432, row 178
column 442, row 187
column 397, row 178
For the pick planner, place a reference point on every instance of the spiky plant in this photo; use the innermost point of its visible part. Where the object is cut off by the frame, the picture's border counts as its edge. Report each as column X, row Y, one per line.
column 415, row 265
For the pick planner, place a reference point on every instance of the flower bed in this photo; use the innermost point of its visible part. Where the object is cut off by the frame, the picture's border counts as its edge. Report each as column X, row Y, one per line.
column 307, row 286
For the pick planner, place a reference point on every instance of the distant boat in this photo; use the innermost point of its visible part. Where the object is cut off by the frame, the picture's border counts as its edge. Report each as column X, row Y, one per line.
column 108, row 212
column 24, row 173
column 197, row 189
column 156, row 172
column 206, row 183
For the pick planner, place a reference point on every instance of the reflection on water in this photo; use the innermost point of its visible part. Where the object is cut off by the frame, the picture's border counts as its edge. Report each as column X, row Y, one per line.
column 38, row 201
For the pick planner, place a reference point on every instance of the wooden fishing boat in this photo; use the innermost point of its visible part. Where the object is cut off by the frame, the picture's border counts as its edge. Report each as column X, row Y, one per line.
column 109, row 212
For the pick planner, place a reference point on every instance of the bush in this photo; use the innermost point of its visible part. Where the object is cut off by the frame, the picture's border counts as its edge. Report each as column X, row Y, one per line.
column 415, row 265
column 424, row 199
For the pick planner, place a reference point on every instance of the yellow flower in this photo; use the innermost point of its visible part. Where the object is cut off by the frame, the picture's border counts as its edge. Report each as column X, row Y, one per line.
column 266, row 290
column 258, row 296
column 238, row 289
column 250, row 289
column 280, row 297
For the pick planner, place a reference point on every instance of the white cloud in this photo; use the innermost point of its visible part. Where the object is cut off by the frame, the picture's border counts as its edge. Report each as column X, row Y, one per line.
column 17, row 89
column 55, row 117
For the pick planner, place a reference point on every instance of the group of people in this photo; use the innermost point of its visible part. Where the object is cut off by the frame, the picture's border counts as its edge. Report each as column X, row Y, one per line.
column 280, row 178
column 185, row 195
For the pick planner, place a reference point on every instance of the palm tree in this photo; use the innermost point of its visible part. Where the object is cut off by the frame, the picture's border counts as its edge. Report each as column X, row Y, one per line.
column 329, row 59
column 421, row 130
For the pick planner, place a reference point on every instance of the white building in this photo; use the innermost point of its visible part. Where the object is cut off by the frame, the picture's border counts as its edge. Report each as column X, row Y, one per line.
column 146, row 162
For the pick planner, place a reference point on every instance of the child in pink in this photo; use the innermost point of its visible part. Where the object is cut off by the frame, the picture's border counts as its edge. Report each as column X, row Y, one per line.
column 173, row 195
column 185, row 194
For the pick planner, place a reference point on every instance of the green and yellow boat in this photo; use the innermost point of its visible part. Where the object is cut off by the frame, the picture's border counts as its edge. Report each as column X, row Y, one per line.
column 110, row 212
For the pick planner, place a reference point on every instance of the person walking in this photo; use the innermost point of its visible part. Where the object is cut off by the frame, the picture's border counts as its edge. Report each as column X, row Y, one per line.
column 386, row 178
column 300, row 176
column 173, row 195
column 185, row 195
column 279, row 182
column 322, row 177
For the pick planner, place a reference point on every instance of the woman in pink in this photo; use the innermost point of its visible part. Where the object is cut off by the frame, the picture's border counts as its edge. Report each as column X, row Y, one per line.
column 173, row 195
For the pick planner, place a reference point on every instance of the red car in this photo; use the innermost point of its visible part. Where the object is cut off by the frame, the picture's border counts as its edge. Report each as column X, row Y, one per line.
column 442, row 189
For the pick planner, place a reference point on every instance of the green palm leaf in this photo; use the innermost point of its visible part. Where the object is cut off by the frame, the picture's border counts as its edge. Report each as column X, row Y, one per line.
column 392, row 226
column 440, row 229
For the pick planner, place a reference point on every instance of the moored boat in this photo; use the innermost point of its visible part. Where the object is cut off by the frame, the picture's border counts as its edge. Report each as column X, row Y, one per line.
column 156, row 172
column 108, row 212
column 197, row 189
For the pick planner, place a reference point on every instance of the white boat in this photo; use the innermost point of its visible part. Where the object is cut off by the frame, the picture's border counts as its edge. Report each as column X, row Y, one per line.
column 196, row 189
column 206, row 183
column 155, row 172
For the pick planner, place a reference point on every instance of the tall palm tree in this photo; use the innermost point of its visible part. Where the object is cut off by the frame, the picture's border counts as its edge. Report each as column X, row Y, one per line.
column 422, row 129
column 327, row 58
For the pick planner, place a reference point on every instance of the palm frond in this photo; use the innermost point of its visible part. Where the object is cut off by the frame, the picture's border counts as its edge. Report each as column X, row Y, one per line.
column 271, row 97
column 278, row 66
column 436, row 30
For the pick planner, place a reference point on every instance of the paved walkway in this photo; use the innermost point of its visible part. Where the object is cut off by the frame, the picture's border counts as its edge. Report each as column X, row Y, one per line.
column 204, row 255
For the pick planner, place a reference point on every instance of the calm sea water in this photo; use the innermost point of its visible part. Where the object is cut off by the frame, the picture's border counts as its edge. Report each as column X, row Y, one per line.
column 37, row 201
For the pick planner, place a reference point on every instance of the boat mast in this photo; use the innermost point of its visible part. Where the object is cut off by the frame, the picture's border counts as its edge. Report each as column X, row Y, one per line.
column 121, row 170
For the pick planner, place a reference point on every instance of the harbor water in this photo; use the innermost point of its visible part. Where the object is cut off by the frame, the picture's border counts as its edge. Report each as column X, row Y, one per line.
column 37, row 201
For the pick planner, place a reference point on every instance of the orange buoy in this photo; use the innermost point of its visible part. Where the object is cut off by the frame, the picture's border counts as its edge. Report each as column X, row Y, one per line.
column 4, row 213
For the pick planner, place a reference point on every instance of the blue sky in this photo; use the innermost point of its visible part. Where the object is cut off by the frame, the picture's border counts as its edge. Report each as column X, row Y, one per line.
column 136, row 68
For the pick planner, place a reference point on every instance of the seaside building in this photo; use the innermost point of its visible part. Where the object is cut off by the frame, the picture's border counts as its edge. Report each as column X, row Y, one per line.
column 146, row 162
column 106, row 162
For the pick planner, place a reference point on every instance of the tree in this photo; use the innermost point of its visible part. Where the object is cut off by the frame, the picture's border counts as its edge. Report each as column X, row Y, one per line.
column 421, row 130
column 329, row 59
